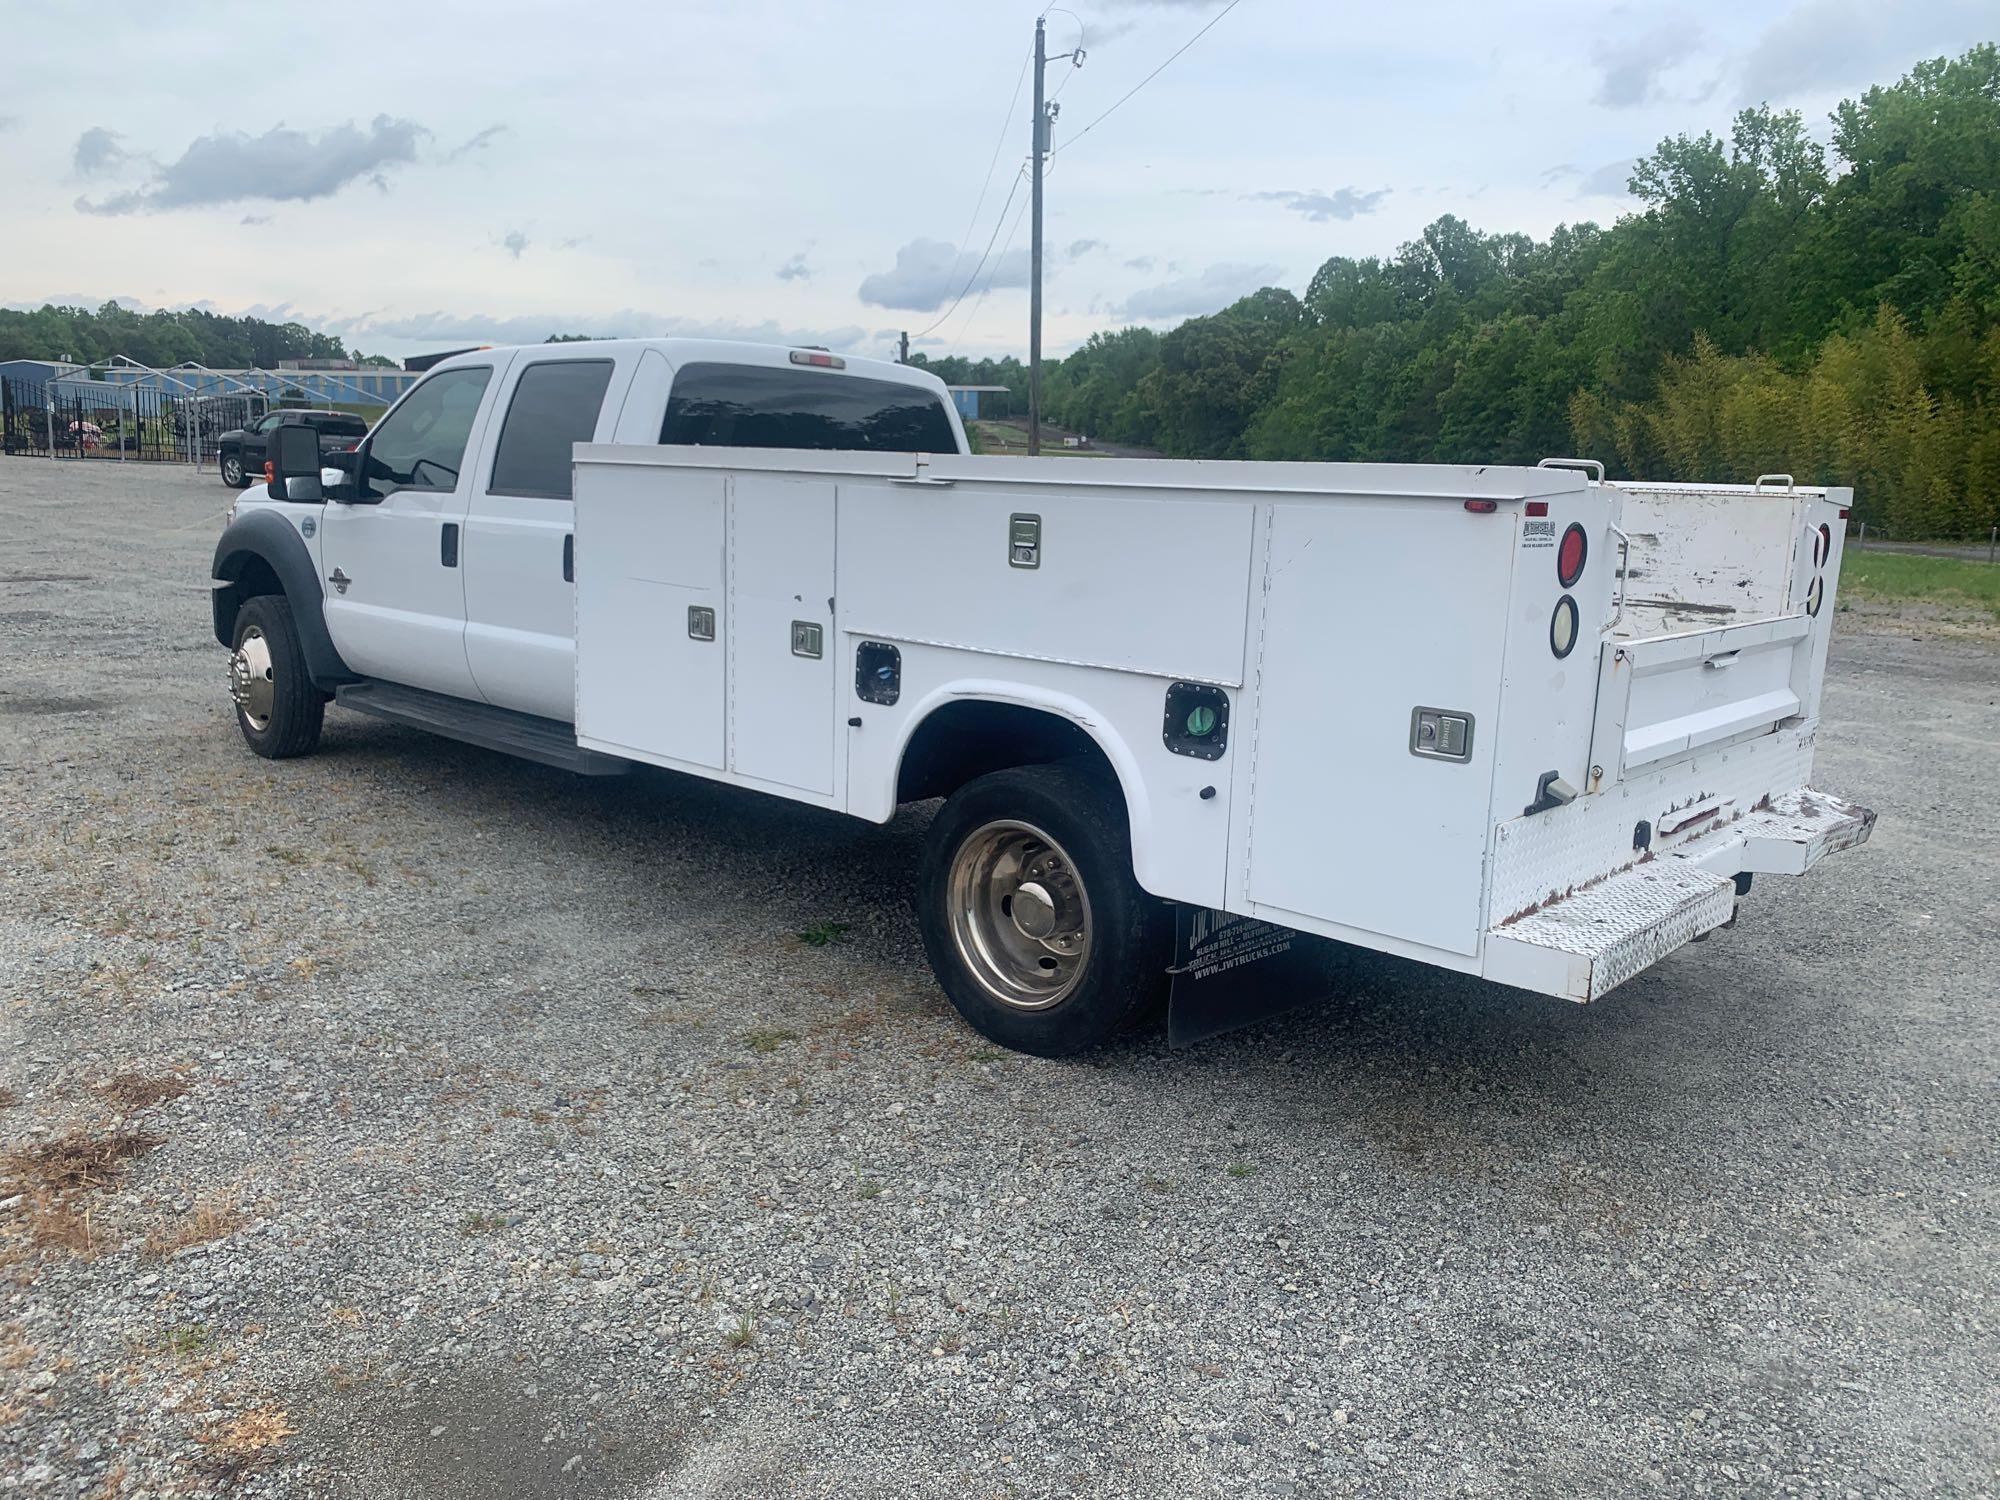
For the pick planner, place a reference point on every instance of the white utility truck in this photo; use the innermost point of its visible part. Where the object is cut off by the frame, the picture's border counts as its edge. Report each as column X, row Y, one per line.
column 1516, row 722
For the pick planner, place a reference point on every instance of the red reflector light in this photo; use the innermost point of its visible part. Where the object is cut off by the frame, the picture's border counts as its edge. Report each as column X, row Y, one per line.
column 1843, row 515
column 1482, row 507
column 818, row 359
column 1538, row 507
column 1570, row 555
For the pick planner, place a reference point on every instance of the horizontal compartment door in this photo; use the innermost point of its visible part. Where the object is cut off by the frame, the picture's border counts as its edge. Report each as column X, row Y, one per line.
column 1663, row 698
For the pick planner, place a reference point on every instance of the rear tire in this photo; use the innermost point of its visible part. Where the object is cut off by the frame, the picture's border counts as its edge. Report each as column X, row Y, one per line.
column 232, row 471
column 1033, row 923
column 278, row 709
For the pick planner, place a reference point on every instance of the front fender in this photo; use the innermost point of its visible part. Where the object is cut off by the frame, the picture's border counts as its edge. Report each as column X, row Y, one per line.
column 257, row 550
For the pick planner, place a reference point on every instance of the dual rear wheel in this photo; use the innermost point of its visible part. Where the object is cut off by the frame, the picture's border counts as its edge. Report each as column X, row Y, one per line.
column 1033, row 922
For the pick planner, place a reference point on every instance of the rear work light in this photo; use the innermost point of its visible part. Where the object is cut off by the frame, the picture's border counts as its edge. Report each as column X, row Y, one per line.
column 1570, row 555
column 1562, row 627
column 818, row 360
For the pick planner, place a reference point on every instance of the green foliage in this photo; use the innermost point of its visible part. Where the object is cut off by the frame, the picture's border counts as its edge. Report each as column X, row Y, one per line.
column 159, row 338
column 1897, row 576
column 1761, row 312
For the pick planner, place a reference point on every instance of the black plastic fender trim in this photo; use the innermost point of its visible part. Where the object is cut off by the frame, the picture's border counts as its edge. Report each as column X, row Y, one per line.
column 266, row 536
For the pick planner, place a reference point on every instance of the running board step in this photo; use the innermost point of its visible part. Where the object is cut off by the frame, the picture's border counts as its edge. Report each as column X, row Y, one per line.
column 1581, row 944
column 549, row 741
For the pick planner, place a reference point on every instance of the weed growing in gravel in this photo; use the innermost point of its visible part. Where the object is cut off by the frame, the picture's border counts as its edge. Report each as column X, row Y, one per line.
column 186, row 1340
column 244, row 1442
column 77, row 1161
column 138, row 1091
column 1241, row 1169
column 820, row 934
column 868, row 1188
column 739, row 1333
column 212, row 1218
column 768, row 1038
column 477, row 1222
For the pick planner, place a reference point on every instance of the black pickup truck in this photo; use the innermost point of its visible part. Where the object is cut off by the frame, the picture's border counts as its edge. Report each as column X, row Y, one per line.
column 242, row 452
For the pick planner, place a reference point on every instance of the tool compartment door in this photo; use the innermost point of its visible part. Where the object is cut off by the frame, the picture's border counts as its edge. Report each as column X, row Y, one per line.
column 781, row 647
column 1371, row 611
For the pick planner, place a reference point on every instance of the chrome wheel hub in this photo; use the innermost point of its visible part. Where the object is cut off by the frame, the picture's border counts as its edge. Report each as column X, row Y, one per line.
column 232, row 469
column 251, row 682
column 1020, row 917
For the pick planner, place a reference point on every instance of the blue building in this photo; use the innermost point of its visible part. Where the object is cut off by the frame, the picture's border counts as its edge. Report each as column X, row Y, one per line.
column 981, row 402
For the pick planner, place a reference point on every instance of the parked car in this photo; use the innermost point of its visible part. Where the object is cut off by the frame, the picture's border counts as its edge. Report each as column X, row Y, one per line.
column 243, row 451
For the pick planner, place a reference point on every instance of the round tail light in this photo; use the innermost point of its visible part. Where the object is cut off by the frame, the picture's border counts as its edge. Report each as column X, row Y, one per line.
column 1570, row 556
column 1562, row 627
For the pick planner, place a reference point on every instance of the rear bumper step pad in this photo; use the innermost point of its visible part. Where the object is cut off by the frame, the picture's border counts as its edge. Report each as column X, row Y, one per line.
column 1586, row 942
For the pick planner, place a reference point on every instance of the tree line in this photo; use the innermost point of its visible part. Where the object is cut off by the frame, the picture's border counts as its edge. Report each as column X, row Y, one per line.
column 1762, row 311
column 163, row 339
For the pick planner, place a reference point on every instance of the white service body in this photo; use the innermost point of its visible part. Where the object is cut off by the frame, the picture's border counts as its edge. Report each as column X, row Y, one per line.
column 1330, row 602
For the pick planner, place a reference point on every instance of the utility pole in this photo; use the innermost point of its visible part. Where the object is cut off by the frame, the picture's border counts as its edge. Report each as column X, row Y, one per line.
column 903, row 348
column 1035, row 155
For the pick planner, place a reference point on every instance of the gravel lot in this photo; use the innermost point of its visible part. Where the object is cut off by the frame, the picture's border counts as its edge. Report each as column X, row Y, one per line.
column 511, row 1141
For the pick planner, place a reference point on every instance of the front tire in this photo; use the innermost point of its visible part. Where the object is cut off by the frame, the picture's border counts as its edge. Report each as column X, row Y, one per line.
column 232, row 471
column 278, row 709
column 1031, row 917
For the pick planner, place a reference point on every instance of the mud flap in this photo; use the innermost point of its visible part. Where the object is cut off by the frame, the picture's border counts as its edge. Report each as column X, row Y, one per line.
column 1234, row 971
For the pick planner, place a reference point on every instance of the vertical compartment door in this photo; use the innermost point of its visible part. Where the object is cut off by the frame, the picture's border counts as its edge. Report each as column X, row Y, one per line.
column 781, row 647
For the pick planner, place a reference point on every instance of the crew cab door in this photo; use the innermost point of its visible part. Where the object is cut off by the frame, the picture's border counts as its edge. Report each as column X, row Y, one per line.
column 520, row 596
column 395, row 593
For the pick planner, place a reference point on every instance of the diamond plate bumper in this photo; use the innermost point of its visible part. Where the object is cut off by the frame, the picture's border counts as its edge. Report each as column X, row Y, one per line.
column 1581, row 943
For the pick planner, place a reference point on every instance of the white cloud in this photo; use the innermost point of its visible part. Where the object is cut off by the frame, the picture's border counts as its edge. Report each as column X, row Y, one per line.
column 1634, row 68
column 1608, row 181
column 929, row 273
column 795, row 269
column 1829, row 44
column 1341, row 203
column 280, row 165
column 98, row 150
column 1191, row 296
column 514, row 241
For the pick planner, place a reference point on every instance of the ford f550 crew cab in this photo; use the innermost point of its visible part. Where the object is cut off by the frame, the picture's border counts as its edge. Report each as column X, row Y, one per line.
column 1515, row 722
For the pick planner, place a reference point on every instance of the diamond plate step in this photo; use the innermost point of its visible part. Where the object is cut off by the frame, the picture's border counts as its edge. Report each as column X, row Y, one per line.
column 1586, row 943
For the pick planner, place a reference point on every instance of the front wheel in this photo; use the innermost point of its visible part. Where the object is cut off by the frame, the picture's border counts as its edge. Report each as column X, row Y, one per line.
column 1032, row 920
column 277, row 707
column 232, row 471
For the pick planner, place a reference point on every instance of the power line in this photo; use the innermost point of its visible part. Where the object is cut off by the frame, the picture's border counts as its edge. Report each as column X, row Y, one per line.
column 965, row 237
column 1152, row 75
column 991, row 277
column 1018, row 177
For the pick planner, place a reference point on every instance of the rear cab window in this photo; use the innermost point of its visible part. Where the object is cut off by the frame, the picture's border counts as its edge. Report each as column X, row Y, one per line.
column 767, row 406
column 338, row 424
column 554, row 407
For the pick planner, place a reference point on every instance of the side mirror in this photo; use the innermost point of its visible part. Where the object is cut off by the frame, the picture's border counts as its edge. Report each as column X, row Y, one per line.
column 336, row 477
column 294, row 455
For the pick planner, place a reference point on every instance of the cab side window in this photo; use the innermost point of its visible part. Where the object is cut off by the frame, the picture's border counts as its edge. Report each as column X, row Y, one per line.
column 421, row 444
column 555, row 406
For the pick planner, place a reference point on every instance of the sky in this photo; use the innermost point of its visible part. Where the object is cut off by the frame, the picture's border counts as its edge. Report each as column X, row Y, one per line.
column 422, row 176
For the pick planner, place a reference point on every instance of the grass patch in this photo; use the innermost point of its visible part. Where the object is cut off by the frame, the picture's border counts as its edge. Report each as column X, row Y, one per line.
column 1241, row 1169
column 820, row 934
column 481, row 1223
column 768, row 1038
column 1895, row 577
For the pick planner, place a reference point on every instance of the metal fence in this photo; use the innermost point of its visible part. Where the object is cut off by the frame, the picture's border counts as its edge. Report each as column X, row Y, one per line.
column 102, row 419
